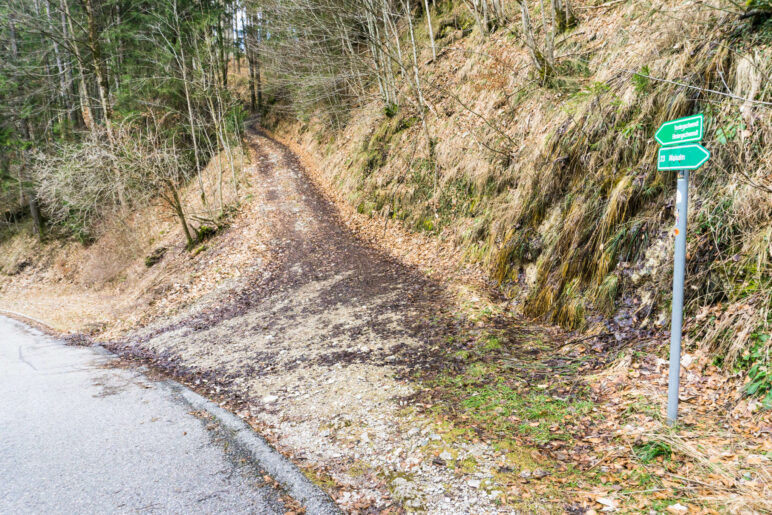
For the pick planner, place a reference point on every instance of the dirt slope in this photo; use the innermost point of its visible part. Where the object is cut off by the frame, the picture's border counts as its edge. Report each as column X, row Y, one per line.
column 317, row 347
column 105, row 288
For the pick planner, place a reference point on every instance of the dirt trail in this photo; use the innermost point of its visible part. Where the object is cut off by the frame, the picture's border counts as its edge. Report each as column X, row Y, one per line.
column 317, row 347
column 345, row 301
column 322, row 274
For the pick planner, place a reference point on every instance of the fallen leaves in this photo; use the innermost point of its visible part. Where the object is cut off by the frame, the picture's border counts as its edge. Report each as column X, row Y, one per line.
column 621, row 456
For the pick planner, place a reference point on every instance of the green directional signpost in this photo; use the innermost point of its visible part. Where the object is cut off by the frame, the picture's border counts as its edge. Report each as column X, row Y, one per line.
column 683, row 130
column 680, row 152
column 682, row 157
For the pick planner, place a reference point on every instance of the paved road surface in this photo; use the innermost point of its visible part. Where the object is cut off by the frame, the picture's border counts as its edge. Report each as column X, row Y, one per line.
column 78, row 435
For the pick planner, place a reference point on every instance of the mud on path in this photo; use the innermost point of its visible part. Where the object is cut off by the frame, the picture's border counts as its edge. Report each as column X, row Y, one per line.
column 318, row 346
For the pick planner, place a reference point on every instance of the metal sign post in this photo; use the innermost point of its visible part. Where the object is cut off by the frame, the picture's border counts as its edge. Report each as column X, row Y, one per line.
column 682, row 158
column 679, row 269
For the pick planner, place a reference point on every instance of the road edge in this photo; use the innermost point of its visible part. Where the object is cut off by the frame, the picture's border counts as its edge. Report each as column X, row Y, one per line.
column 275, row 464
column 32, row 322
column 263, row 454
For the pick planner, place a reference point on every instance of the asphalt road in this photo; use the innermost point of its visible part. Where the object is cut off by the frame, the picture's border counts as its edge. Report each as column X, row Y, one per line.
column 80, row 435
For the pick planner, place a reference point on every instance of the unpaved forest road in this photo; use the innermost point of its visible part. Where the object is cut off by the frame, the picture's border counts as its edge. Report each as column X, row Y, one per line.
column 317, row 345
column 78, row 435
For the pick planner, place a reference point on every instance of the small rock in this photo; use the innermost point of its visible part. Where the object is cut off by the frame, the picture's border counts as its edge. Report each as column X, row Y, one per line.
column 474, row 483
column 435, row 436
column 525, row 474
column 608, row 503
column 677, row 508
column 445, row 455
column 407, row 492
column 268, row 399
column 539, row 474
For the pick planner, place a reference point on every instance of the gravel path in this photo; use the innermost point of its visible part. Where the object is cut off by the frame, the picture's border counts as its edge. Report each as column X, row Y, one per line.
column 319, row 347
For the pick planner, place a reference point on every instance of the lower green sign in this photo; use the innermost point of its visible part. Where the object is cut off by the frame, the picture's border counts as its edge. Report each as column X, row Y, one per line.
column 682, row 157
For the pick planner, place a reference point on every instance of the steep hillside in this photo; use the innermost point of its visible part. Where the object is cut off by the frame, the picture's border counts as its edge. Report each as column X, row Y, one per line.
column 138, row 267
column 551, row 183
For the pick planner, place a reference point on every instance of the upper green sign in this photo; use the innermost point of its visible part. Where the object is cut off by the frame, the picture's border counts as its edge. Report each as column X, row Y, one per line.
column 682, row 157
column 683, row 130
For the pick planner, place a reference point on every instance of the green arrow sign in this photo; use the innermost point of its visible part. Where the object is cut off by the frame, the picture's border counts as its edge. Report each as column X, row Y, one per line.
column 682, row 157
column 682, row 130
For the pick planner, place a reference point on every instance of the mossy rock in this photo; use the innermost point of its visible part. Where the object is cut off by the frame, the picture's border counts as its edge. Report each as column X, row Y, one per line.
column 205, row 232
column 155, row 256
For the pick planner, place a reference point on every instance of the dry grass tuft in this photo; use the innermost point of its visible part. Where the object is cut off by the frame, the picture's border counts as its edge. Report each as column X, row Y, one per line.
column 713, row 479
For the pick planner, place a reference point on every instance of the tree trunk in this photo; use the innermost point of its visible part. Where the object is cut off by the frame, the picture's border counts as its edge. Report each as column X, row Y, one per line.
column 473, row 6
column 416, row 76
column 182, row 61
column 563, row 15
column 100, row 70
column 420, row 97
column 67, row 30
column 63, row 98
column 223, row 56
column 251, row 64
column 431, row 30
column 177, row 207
column 37, row 222
column 258, row 78
column 253, row 56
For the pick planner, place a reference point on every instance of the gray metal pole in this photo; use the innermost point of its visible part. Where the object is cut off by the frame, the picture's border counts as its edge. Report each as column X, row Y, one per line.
column 676, row 321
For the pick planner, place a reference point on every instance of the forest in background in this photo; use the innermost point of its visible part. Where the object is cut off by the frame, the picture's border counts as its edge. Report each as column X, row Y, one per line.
column 105, row 106
column 109, row 105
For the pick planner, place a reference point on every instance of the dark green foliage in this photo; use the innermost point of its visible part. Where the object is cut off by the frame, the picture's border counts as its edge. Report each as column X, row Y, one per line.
column 757, row 361
column 390, row 110
column 759, row 4
column 204, row 232
column 641, row 80
column 207, row 231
